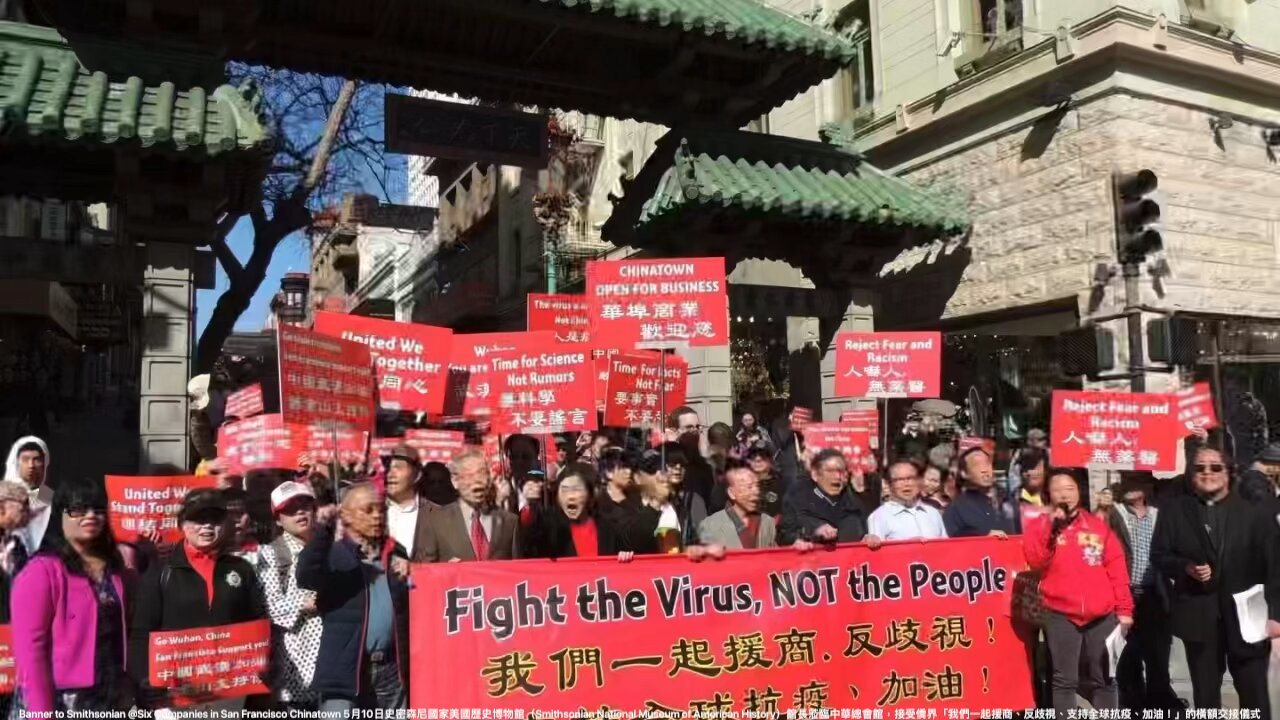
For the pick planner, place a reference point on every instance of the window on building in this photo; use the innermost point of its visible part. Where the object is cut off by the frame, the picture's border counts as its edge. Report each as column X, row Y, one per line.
column 857, row 82
column 991, row 28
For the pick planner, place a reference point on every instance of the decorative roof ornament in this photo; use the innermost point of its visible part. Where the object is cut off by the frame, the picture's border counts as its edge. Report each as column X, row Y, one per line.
column 840, row 135
column 687, row 171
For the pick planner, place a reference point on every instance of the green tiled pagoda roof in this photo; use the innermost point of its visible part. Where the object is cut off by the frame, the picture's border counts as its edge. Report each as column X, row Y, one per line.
column 46, row 93
column 750, row 21
column 795, row 179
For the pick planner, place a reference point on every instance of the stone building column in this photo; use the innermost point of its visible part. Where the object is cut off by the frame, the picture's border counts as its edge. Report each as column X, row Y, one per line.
column 710, row 383
column 859, row 315
column 168, row 301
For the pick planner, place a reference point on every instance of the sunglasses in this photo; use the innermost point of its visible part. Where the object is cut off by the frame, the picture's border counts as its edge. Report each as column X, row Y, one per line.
column 1213, row 467
column 79, row 511
column 206, row 518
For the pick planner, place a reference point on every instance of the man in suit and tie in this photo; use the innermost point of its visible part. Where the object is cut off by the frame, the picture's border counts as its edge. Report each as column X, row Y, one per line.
column 470, row 528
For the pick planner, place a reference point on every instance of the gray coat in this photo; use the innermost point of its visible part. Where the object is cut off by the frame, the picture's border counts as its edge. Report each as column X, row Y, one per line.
column 720, row 529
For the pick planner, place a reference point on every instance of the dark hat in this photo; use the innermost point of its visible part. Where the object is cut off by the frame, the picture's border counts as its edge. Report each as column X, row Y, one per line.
column 202, row 500
column 758, row 452
column 1270, row 454
column 536, row 471
column 651, row 462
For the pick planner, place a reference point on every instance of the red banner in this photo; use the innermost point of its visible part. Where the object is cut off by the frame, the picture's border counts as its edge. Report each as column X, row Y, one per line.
column 1195, row 408
column 206, row 664
column 760, row 631
column 568, row 316
column 141, row 504
column 1115, row 430
column 436, row 445
column 631, row 394
column 8, row 672
column 245, row 402
column 853, row 441
column 470, row 385
column 264, row 442
column 661, row 303
column 323, row 442
column 324, row 380
column 800, row 418
column 889, row 365
column 548, row 388
column 412, row 360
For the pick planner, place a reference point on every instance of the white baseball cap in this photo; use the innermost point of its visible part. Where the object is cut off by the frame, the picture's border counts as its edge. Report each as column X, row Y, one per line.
column 287, row 491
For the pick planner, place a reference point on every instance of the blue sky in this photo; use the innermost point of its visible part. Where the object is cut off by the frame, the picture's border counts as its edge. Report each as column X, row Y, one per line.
column 292, row 255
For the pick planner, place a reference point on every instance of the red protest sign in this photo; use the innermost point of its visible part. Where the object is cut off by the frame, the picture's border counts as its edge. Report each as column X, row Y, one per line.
column 141, row 504
column 969, row 442
column 800, row 418
column 869, row 419
column 568, row 316
column 1195, row 408
column 436, row 445
column 631, row 394
column 264, row 442
column 548, row 388
column 8, row 672
column 1114, row 430
column 890, row 629
column 245, row 402
column 470, row 386
column 323, row 442
column 324, row 380
column 205, row 664
column 660, row 303
column 412, row 360
column 889, row 365
column 854, row 442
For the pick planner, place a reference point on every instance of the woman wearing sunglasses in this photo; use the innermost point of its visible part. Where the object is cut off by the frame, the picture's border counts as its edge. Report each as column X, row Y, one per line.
column 72, row 596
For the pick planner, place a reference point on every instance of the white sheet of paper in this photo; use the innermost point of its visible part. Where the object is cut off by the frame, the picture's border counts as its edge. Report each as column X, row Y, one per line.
column 1115, row 646
column 1251, row 607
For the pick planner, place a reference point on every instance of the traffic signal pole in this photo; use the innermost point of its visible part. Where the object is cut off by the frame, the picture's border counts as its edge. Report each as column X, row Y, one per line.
column 1133, row 318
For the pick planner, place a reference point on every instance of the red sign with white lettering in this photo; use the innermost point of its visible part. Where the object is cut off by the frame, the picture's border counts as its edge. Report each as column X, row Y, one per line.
column 436, row 445
column 870, row 419
column 412, row 360
column 8, row 671
column 322, row 443
column 568, row 316
column 1195, row 407
column 324, row 380
column 264, row 442
column 544, row 389
column 662, row 303
column 470, row 384
column 632, row 398
column 852, row 441
column 800, row 418
column 1115, row 430
column 201, row 665
column 889, row 365
column 137, row 505
column 244, row 403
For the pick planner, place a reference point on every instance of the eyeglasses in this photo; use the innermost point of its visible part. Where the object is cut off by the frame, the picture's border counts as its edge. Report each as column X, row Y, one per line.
column 80, row 511
column 298, row 508
column 692, row 428
column 1210, row 468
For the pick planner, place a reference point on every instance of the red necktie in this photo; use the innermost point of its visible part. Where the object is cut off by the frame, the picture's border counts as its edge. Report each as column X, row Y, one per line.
column 479, row 542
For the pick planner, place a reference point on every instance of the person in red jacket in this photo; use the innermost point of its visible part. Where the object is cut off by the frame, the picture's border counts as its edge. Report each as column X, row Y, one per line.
column 1085, row 589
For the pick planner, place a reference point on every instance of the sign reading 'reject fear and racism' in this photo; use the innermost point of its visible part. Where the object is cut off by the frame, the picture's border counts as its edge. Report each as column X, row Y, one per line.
column 658, row 303
column 758, row 632
column 412, row 360
column 545, row 389
column 1115, row 430
column 889, row 365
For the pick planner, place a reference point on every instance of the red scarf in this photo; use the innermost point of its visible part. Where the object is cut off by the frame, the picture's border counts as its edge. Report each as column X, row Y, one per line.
column 203, row 563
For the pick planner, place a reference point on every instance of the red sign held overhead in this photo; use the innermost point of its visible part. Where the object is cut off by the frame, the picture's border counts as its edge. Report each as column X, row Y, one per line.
column 632, row 398
column 244, row 403
column 436, row 445
column 412, row 360
column 568, row 316
column 470, row 384
column 1115, row 430
column 800, row 418
column 207, row 664
column 544, row 389
column 1195, row 408
column 870, row 419
column 889, row 365
column 662, row 303
column 852, row 441
column 322, row 443
column 138, row 505
column 324, row 380
column 264, row 442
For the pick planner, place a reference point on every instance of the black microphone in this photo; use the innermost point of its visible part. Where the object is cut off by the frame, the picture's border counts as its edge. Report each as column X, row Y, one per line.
column 1058, row 525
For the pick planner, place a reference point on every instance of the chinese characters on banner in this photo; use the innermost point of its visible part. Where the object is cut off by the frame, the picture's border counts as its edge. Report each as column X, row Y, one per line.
column 8, row 672
column 470, row 390
column 869, row 419
column 760, row 631
column 264, row 442
column 632, row 398
column 889, row 365
column 435, row 445
column 412, row 360
column 206, row 664
column 245, row 402
column 544, row 389
column 1195, row 408
column 141, row 504
column 568, row 316
column 1115, row 430
column 658, row 303
column 324, row 380
column 853, row 441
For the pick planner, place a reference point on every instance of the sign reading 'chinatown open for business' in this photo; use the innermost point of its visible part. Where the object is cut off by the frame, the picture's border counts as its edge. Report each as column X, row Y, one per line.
column 568, row 316
column 889, row 364
column 544, row 389
column 653, row 304
column 412, row 360
column 323, row 380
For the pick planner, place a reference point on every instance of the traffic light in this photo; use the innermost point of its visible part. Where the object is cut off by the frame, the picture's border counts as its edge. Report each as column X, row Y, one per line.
column 1173, row 340
column 1089, row 350
column 1137, row 215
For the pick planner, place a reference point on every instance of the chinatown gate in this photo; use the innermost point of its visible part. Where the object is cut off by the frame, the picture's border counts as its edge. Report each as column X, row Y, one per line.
column 702, row 67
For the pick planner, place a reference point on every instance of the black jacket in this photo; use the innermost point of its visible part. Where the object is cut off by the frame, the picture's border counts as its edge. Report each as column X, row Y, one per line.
column 335, row 571
column 972, row 515
column 807, row 508
column 550, row 535
column 1247, row 557
column 173, row 596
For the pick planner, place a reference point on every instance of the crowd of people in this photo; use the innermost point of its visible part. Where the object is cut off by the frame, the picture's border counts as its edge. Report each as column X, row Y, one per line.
column 332, row 570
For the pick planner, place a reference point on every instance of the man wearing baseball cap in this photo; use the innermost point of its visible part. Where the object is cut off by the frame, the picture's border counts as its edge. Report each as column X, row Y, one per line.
column 296, row 625
column 403, row 503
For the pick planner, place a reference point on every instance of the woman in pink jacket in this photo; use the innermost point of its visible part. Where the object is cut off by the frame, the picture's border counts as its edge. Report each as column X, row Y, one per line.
column 69, row 612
